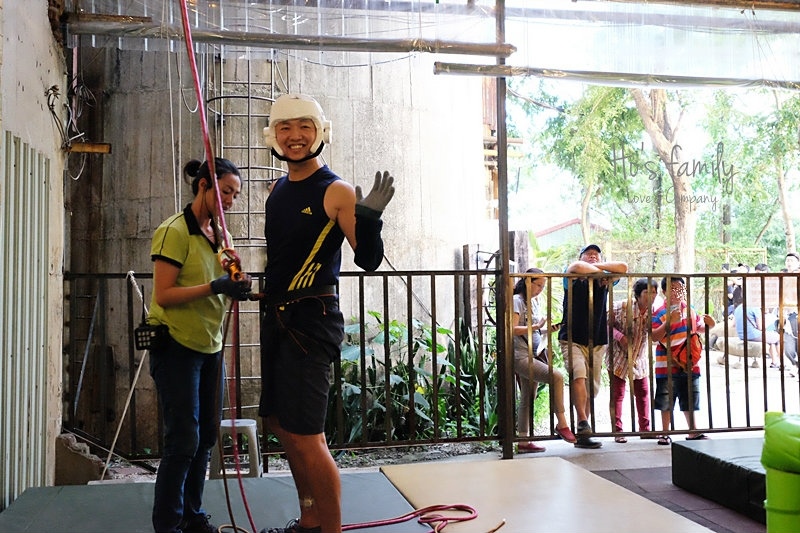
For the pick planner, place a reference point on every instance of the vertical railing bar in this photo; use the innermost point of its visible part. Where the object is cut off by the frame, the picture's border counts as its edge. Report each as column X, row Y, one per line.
column 387, row 360
column 706, row 309
column 781, row 341
column 746, row 358
column 687, row 346
column 103, row 360
column 481, row 346
column 362, row 360
column 434, row 358
column 726, row 356
column 412, row 373
column 458, row 352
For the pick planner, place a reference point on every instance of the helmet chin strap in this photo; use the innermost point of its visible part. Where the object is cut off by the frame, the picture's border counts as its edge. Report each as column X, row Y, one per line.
column 306, row 158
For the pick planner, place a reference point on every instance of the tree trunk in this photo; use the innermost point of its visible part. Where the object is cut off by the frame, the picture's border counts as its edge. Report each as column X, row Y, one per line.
column 663, row 134
column 586, row 229
column 783, row 198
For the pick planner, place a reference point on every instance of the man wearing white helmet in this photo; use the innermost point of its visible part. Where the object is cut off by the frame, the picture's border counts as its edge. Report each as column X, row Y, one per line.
column 309, row 213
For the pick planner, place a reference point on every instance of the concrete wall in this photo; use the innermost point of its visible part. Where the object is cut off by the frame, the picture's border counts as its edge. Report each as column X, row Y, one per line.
column 31, row 61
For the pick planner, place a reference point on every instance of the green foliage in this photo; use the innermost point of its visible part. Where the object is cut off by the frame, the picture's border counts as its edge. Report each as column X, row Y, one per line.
column 576, row 136
column 411, row 386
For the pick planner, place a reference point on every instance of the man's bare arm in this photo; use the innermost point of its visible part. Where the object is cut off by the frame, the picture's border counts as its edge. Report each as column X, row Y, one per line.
column 616, row 267
column 582, row 267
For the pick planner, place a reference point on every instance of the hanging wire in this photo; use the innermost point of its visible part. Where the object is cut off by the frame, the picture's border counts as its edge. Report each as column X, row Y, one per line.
column 52, row 95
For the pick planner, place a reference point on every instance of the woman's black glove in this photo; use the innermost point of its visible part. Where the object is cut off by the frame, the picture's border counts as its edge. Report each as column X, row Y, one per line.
column 239, row 290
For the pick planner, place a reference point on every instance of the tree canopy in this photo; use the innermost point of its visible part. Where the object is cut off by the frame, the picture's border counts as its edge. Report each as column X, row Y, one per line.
column 682, row 178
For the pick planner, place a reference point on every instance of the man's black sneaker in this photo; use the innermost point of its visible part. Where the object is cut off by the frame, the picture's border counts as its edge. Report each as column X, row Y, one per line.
column 584, row 433
column 293, row 527
column 586, row 442
column 202, row 524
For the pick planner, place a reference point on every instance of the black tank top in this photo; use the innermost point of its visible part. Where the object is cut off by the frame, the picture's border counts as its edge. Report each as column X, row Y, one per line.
column 581, row 329
column 303, row 244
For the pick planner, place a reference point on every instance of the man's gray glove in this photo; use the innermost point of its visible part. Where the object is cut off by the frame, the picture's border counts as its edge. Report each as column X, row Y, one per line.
column 382, row 191
column 239, row 290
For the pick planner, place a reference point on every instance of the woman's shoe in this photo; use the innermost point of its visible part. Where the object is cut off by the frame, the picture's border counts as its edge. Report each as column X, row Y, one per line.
column 697, row 436
column 529, row 447
column 665, row 440
column 620, row 439
column 566, row 434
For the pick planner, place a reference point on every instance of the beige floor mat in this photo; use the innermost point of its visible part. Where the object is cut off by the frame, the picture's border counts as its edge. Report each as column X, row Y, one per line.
column 546, row 494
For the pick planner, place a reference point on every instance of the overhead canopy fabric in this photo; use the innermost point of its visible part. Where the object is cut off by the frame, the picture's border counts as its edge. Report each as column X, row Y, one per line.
column 599, row 39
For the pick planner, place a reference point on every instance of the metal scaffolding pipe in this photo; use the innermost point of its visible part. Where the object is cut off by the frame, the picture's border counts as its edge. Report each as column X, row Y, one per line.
column 613, row 79
column 294, row 42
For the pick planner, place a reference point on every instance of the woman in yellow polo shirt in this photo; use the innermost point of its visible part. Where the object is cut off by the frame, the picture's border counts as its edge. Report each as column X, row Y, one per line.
column 190, row 290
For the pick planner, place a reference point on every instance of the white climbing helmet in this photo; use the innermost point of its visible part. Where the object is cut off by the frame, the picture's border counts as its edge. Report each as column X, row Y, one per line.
column 292, row 106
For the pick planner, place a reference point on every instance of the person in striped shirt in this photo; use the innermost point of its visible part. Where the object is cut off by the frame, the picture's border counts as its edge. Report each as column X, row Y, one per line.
column 673, row 382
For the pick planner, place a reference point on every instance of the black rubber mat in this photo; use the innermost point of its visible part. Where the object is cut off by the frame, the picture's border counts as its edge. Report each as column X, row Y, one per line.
column 125, row 507
column 726, row 471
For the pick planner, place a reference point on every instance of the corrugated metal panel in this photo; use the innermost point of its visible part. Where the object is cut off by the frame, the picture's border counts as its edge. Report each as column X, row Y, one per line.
column 24, row 220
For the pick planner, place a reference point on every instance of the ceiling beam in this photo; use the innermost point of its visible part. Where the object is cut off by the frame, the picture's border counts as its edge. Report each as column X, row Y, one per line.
column 744, row 5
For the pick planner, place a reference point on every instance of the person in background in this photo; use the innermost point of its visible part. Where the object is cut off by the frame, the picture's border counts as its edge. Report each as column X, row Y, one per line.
column 792, row 264
column 190, row 293
column 530, row 370
column 626, row 356
column 309, row 213
column 771, row 315
column 670, row 325
column 735, row 287
column 583, row 342
column 756, row 332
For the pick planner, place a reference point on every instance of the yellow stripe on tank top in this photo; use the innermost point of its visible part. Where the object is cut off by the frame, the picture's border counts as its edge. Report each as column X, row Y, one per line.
column 305, row 276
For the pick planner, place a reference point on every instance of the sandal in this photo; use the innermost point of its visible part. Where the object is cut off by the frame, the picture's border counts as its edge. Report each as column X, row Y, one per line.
column 665, row 440
column 620, row 439
column 697, row 436
column 529, row 447
column 566, row 434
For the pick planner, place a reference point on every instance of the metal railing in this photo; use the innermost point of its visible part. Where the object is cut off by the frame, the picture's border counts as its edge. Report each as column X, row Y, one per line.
column 419, row 363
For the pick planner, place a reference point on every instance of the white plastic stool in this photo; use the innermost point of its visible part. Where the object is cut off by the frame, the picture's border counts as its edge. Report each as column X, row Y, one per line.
column 248, row 428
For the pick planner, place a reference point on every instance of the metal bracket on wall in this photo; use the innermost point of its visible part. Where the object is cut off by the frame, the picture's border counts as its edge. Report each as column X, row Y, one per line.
column 88, row 148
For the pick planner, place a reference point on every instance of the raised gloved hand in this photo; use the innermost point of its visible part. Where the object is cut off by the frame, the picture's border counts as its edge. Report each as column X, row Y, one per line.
column 239, row 290
column 377, row 199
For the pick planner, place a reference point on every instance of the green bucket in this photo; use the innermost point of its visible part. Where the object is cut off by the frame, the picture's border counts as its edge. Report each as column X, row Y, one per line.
column 783, row 501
